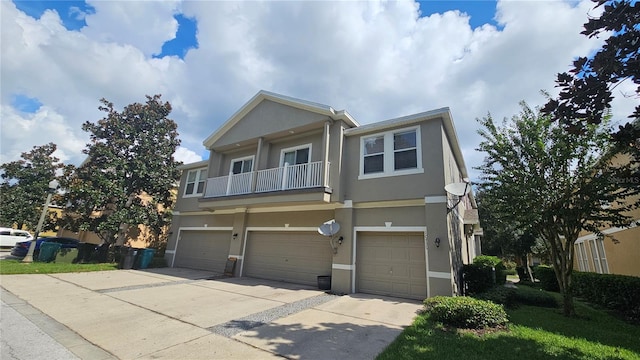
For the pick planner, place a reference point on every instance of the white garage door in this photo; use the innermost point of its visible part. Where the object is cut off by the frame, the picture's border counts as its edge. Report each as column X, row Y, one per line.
column 204, row 250
column 297, row 257
column 391, row 264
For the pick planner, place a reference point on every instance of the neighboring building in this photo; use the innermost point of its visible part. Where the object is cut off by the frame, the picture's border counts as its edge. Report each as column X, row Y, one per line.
column 280, row 167
column 616, row 253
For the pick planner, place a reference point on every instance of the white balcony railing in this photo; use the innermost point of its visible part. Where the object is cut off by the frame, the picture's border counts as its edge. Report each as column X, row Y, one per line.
column 287, row 177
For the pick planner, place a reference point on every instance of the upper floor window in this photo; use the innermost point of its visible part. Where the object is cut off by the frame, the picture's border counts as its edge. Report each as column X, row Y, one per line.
column 241, row 166
column 195, row 182
column 296, row 155
column 391, row 153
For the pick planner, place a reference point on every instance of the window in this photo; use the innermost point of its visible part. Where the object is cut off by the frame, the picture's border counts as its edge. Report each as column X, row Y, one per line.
column 296, row 155
column 374, row 155
column 603, row 259
column 195, row 182
column 241, row 166
column 583, row 262
column 405, row 154
column 391, row 153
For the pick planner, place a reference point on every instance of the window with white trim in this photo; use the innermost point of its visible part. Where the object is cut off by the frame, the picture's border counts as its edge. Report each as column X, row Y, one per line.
column 391, row 153
column 194, row 185
column 583, row 261
column 296, row 155
column 242, row 165
column 602, row 259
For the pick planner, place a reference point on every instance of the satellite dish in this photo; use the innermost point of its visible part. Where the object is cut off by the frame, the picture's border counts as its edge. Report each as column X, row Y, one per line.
column 329, row 228
column 458, row 189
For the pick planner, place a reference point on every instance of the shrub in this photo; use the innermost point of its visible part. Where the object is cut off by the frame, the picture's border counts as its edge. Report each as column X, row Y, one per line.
column 535, row 297
column 465, row 312
column 477, row 278
column 493, row 262
column 499, row 295
column 547, row 277
column 512, row 297
column 615, row 292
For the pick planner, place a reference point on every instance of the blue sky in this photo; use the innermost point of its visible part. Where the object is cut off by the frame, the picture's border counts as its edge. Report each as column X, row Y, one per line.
column 376, row 59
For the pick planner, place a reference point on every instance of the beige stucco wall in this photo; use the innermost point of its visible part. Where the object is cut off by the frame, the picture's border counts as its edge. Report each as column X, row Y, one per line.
column 397, row 187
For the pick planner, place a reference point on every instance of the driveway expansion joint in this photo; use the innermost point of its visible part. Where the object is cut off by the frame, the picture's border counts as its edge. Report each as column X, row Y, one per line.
column 233, row 327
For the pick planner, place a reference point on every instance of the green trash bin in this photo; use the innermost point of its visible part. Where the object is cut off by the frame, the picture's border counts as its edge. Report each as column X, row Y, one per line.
column 144, row 257
column 48, row 251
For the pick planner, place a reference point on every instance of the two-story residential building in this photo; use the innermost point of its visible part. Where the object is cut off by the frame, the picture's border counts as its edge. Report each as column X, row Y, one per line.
column 280, row 167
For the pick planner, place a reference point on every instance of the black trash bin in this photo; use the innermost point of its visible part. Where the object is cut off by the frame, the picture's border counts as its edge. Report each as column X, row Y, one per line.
column 84, row 252
column 127, row 258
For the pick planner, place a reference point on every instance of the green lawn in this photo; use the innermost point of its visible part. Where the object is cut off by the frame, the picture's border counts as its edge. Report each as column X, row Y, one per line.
column 13, row 266
column 533, row 333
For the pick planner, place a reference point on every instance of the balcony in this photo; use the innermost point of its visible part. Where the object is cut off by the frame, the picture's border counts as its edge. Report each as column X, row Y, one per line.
column 288, row 177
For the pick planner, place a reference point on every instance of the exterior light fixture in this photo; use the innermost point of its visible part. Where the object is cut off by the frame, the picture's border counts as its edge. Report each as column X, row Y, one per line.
column 235, row 236
column 437, row 241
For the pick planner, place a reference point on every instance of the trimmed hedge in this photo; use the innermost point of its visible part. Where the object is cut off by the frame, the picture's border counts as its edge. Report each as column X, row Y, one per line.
column 615, row 292
column 512, row 297
column 477, row 278
column 483, row 274
column 493, row 262
column 465, row 312
column 547, row 277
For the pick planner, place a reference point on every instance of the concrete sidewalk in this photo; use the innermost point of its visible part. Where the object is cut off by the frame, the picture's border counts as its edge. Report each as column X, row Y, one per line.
column 175, row 313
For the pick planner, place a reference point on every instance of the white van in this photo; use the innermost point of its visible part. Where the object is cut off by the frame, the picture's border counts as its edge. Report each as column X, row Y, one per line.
column 9, row 237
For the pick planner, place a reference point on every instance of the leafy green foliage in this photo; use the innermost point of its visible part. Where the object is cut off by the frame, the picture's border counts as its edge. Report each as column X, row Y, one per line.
column 465, row 312
column 493, row 262
column 547, row 277
column 24, row 186
column 586, row 90
column 129, row 173
column 477, row 278
column 555, row 183
column 615, row 292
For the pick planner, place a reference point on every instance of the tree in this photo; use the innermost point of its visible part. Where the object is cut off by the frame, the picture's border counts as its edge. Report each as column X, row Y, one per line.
column 556, row 182
column 586, row 90
column 129, row 172
column 24, row 185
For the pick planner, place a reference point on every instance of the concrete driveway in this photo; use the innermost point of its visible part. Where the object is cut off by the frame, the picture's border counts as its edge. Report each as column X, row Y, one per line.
column 174, row 313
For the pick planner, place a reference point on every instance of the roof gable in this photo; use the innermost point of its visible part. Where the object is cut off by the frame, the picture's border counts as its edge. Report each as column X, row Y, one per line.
column 269, row 112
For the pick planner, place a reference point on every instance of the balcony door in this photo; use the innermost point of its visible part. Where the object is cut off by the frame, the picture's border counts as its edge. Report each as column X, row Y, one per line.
column 240, row 176
column 296, row 163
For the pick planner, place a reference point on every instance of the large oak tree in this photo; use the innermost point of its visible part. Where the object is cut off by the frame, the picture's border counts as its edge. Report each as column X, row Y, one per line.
column 128, row 176
column 555, row 183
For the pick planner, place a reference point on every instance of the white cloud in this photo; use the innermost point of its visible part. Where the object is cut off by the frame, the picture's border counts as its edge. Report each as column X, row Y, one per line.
column 375, row 59
column 186, row 156
column 145, row 25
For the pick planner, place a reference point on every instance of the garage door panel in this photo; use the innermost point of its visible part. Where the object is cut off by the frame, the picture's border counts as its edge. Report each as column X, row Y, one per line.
column 297, row 257
column 391, row 264
column 203, row 250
